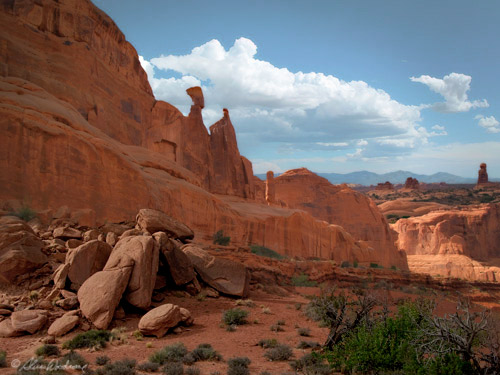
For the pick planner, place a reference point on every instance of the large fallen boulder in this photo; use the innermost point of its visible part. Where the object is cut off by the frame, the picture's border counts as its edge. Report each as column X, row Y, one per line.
column 159, row 320
column 30, row 321
column 85, row 260
column 179, row 266
column 156, row 221
column 143, row 253
column 100, row 294
column 64, row 324
column 20, row 249
column 226, row 276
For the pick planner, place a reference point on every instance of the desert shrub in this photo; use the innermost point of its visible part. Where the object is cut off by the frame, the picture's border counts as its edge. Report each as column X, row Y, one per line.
column 188, row 359
column 281, row 352
column 394, row 268
column 193, row 370
column 311, row 364
column 123, row 367
column 231, row 327
column 298, row 306
column 245, row 302
column 205, row 352
column 308, row 345
column 74, row 359
column 148, row 366
column 95, row 339
column 235, row 316
column 266, row 310
column 48, row 350
column 24, row 213
column 102, row 360
column 277, row 328
column 3, row 358
column 138, row 335
column 280, row 322
column 173, row 368
column 265, row 252
column 170, row 353
column 220, row 239
column 34, row 295
column 355, row 264
column 304, row 331
column 374, row 265
column 345, row 264
column 238, row 366
column 268, row 343
column 303, row 280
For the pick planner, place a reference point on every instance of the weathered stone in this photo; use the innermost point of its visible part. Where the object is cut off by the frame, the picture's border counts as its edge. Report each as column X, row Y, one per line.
column 66, row 233
column 482, row 175
column 20, row 250
column 227, row 276
column 100, row 294
column 63, row 325
column 6, row 329
column 111, row 239
column 45, row 305
column 60, row 275
column 73, row 243
column 5, row 312
column 29, row 321
column 131, row 232
column 87, row 259
column 156, row 221
column 159, row 320
column 179, row 265
column 143, row 253
column 412, row 183
column 68, row 303
column 270, row 189
column 90, row 235
column 186, row 317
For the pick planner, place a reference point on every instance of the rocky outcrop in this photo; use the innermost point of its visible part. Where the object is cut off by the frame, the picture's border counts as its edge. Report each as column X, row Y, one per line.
column 471, row 231
column 482, row 175
column 384, row 186
column 142, row 252
column 85, row 260
column 270, row 189
column 20, row 250
column 154, row 221
column 232, row 175
column 162, row 318
column 340, row 205
column 412, row 184
column 224, row 275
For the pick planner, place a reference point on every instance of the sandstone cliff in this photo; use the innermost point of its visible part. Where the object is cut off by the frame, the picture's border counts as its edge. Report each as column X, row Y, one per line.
column 338, row 204
column 80, row 128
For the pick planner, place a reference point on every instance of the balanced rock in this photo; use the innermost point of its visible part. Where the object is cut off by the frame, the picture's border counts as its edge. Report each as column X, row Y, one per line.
column 224, row 275
column 160, row 319
column 29, row 321
column 482, row 175
column 87, row 259
column 20, row 249
column 100, row 294
column 64, row 324
column 142, row 252
column 156, row 221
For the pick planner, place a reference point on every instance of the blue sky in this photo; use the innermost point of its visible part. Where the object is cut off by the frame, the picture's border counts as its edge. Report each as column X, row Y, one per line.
column 335, row 86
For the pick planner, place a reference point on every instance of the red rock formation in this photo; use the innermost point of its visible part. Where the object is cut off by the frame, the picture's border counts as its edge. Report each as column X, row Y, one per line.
column 482, row 177
column 232, row 174
column 384, row 186
column 270, row 189
column 80, row 128
column 340, row 205
column 472, row 231
column 412, row 183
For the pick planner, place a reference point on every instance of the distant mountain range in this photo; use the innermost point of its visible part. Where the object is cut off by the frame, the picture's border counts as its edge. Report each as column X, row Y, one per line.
column 398, row 177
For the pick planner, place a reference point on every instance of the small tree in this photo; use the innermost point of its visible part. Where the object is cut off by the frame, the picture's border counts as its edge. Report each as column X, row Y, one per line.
column 220, row 239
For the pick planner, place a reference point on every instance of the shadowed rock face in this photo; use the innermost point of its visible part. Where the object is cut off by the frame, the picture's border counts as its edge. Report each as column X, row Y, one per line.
column 340, row 205
column 482, row 177
column 80, row 128
column 412, row 183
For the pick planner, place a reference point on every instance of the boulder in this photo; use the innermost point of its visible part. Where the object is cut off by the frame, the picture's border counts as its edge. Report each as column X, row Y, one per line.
column 87, row 259
column 73, row 243
column 66, row 233
column 100, row 294
column 180, row 267
column 6, row 329
column 143, row 253
column 68, row 303
column 29, row 321
column 111, row 239
column 60, row 275
column 224, row 275
column 156, row 221
column 20, row 250
column 186, row 317
column 63, row 325
column 90, row 235
column 160, row 319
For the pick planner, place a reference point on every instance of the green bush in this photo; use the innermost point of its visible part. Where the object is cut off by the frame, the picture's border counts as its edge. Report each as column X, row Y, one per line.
column 277, row 328
column 345, row 264
column 220, row 239
column 308, row 345
column 268, row 343
column 48, row 350
column 3, row 358
column 374, row 265
column 281, row 352
column 25, row 213
column 265, row 252
column 303, row 280
column 148, row 367
column 173, row 368
column 170, row 353
column 74, row 359
column 94, row 339
column 102, row 360
column 235, row 316
column 205, row 352
column 123, row 367
column 303, row 331
column 238, row 366
column 193, row 371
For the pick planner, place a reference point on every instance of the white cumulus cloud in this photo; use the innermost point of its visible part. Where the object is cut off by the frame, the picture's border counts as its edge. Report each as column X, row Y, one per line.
column 438, row 130
column 453, row 88
column 490, row 123
column 273, row 104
